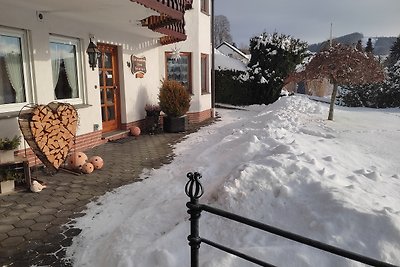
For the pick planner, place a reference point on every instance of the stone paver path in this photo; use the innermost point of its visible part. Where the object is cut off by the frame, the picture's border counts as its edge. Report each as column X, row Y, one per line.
column 34, row 227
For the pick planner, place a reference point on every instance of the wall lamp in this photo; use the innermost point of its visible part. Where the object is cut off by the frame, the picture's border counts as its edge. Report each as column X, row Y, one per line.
column 93, row 53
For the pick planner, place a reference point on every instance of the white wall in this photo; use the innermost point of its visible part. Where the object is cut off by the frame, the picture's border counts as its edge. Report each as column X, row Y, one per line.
column 198, row 41
column 135, row 92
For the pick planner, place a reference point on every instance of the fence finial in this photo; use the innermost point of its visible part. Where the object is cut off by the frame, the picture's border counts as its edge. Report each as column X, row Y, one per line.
column 193, row 187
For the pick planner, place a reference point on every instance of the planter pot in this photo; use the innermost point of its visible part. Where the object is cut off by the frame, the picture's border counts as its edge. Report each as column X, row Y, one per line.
column 6, row 156
column 175, row 124
column 152, row 124
column 7, row 186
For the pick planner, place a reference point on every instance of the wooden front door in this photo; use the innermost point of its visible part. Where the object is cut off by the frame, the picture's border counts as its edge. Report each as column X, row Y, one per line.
column 109, row 87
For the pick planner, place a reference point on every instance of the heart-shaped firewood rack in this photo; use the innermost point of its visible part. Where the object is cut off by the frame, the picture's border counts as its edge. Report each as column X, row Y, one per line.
column 50, row 131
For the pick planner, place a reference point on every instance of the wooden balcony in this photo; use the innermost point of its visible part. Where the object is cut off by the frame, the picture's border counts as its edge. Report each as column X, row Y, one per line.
column 168, row 23
column 172, row 8
column 175, row 33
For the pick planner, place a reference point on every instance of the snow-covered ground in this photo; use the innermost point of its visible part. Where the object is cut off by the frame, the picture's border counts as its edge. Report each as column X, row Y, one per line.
column 283, row 164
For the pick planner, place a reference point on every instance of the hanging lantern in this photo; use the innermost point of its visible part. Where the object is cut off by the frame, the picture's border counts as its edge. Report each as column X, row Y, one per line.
column 93, row 53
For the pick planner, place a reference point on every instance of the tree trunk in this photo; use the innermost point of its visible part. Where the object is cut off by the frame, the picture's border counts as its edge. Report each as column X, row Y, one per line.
column 333, row 100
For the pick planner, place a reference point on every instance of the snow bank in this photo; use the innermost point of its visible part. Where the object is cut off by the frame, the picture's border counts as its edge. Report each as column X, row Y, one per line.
column 282, row 164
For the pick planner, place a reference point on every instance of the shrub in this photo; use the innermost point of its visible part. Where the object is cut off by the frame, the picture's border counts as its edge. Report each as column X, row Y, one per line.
column 230, row 89
column 152, row 110
column 10, row 144
column 174, row 98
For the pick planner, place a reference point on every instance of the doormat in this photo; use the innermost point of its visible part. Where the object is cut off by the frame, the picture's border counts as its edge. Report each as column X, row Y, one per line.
column 122, row 140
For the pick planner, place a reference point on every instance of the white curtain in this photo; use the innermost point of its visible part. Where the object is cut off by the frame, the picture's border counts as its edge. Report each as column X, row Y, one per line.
column 14, row 71
column 70, row 70
column 55, row 64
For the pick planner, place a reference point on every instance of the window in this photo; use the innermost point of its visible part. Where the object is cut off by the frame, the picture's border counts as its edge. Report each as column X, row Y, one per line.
column 205, row 6
column 66, row 68
column 13, row 69
column 179, row 69
column 204, row 74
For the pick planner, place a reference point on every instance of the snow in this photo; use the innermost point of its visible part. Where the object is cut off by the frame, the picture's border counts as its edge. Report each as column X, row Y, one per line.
column 284, row 165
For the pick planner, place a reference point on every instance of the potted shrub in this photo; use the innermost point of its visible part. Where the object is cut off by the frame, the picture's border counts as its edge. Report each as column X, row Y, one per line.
column 8, row 177
column 174, row 102
column 7, row 147
column 152, row 118
column 152, row 110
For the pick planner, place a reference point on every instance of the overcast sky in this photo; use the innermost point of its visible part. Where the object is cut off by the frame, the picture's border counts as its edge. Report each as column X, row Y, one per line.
column 310, row 20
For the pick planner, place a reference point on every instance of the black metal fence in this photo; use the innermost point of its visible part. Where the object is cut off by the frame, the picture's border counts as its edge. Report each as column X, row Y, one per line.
column 194, row 190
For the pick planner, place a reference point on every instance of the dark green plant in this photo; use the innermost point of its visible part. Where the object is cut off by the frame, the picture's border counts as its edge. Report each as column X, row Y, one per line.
column 6, row 175
column 152, row 110
column 231, row 89
column 273, row 57
column 10, row 144
column 369, row 48
column 394, row 55
column 174, row 98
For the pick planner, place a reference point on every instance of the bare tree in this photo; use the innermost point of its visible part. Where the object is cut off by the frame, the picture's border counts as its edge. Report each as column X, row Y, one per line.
column 222, row 30
column 342, row 65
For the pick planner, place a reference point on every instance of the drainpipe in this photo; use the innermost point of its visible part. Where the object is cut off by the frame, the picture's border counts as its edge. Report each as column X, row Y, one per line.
column 212, row 61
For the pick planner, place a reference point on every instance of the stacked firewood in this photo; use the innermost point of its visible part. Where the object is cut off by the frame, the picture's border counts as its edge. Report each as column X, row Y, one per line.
column 50, row 131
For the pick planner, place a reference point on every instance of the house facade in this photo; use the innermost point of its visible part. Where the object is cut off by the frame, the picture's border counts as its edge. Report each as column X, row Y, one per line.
column 233, row 52
column 43, row 59
column 224, row 62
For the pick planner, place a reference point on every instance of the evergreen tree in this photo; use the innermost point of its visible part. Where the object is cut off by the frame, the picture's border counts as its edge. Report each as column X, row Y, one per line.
column 273, row 57
column 369, row 48
column 381, row 95
column 394, row 55
column 359, row 46
column 394, row 77
column 394, row 73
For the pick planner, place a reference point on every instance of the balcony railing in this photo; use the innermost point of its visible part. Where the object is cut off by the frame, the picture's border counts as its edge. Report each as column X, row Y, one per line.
column 172, row 8
column 155, row 22
column 170, row 22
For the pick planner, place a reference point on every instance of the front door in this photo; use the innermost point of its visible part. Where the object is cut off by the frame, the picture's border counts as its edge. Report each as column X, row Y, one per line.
column 109, row 87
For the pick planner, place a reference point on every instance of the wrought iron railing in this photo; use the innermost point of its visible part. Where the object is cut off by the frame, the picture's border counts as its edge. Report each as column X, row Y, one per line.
column 194, row 190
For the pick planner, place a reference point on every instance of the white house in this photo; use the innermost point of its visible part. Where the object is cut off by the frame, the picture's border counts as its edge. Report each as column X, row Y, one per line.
column 233, row 52
column 43, row 59
column 223, row 62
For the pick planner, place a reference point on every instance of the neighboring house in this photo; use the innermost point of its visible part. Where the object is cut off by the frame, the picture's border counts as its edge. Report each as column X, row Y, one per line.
column 223, row 62
column 233, row 52
column 43, row 59
column 320, row 87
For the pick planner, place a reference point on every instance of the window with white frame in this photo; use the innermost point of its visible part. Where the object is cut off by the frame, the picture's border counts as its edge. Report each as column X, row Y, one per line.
column 66, row 68
column 13, row 69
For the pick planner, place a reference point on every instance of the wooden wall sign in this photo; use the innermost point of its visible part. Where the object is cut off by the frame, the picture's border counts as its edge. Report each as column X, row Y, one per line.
column 138, row 66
